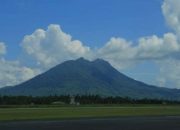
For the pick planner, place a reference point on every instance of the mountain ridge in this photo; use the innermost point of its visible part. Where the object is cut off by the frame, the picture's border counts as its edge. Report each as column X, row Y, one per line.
column 82, row 76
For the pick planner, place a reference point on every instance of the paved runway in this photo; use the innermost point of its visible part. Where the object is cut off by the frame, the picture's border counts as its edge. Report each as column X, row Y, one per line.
column 122, row 123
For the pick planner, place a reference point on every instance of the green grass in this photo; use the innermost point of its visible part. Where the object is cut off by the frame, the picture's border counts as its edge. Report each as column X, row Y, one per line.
column 55, row 113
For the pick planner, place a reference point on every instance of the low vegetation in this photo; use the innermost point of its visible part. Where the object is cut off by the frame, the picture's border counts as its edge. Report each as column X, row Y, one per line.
column 49, row 113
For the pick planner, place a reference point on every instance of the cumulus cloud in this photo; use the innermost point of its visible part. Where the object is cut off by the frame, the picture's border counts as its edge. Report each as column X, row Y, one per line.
column 52, row 46
column 122, row 53
column 12, row 72
column 171, row 13
column 117, row 48
column 157, row 48
column 118, row 51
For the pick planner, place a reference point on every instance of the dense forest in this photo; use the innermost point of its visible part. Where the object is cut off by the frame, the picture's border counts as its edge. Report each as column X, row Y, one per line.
column 83, row 99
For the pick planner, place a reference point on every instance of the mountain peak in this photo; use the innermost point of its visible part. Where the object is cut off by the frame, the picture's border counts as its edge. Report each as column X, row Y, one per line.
column 98, row 60
column 101, row 61
column 82, row 59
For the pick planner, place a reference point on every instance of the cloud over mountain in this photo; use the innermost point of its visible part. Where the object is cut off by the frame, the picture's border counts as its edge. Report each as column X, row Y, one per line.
column 52, row 46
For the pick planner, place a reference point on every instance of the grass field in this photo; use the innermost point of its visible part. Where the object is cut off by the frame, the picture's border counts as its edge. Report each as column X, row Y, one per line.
column 55, row 113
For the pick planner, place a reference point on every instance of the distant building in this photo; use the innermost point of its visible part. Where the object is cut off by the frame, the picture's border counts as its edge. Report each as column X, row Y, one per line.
column 73, row 102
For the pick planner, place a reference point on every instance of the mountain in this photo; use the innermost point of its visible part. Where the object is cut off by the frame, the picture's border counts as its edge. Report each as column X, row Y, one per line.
column 88, row 77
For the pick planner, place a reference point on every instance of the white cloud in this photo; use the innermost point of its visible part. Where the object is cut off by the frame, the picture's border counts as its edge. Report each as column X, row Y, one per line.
column 171, row 13
column 118, row 52
column 170, row 67
column 157, row 48
column 169, row 73
column 2, row 48
column 13, row 73
column 52, row 46
column 117, row 48
column 122, row 53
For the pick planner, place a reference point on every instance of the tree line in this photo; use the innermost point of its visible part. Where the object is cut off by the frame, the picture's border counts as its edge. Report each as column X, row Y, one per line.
column 81, row 99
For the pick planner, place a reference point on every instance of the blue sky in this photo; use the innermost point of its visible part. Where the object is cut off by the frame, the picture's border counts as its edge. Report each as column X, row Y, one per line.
column 93, row 23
